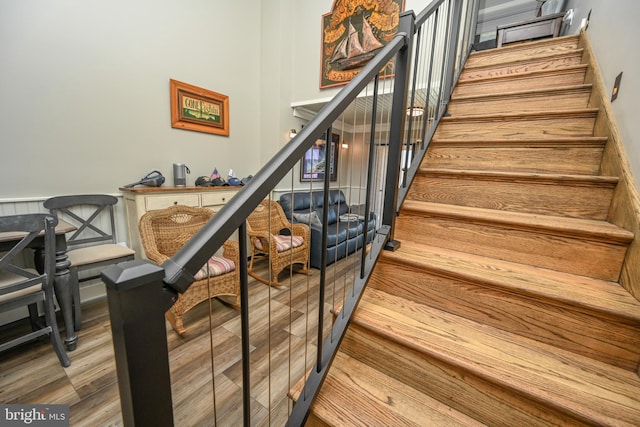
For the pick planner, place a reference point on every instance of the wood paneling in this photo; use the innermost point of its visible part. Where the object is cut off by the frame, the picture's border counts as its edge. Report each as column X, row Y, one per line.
column 562, row 195
column 550, row 124
column 522, row 51
column 528, row 301
column 563, row 244
column 540, row 63
column 563, row 98
column 530, row 383
column 576, row 156
column 569, row 76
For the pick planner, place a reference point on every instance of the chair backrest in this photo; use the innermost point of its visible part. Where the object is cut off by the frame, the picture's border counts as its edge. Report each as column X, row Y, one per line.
column 23, row 230
column 86, row 213
column 163, row 232
column 268, row 217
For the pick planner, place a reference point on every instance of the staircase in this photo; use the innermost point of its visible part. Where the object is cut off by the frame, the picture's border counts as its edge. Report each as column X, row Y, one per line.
column 502, row 306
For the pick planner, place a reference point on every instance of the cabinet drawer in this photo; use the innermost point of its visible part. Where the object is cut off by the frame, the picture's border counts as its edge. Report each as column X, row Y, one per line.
column 217, row 198
column 160, row 202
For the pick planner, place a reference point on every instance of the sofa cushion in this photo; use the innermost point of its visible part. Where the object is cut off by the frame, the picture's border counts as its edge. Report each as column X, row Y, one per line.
column 296, row 202
column 335, row 234
column 310, row 218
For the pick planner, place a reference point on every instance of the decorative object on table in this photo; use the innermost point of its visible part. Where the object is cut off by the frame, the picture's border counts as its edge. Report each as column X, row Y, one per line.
column 219, row 182
column 198, row 109
column 246, row 179
column 152, row 179
column 216, row 179
column 94, row 244
column 203, row 181
column 163, row 232
column 180, row 172
column 232, row 179
column 263, row 228
column 20, row 286
column 312, row 165
column 352, row 33
column 234, row 182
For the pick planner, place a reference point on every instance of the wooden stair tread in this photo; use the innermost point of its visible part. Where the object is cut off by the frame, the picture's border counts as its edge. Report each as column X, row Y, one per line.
column 538, row 142
column 584, row 293
column 524, row 75
column 356, row 394
column 587, row 389
column 532, row 58
column 608, row 181
column 519, row 93
column 581, row 112
column 584, row 228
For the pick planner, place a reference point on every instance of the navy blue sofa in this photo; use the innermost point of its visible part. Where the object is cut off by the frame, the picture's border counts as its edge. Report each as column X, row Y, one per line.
column 345, row 237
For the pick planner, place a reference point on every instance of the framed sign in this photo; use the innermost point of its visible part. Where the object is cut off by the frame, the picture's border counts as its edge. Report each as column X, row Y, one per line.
column 352, row 33
column 198, row 109
column 313, row 164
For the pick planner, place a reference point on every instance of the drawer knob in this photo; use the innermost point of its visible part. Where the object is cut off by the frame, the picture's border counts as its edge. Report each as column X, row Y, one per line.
column 224, row 199
column 175, row 203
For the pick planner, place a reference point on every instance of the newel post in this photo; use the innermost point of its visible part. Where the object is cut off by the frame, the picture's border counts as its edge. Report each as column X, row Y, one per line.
column 137, row 304
column 396, row 129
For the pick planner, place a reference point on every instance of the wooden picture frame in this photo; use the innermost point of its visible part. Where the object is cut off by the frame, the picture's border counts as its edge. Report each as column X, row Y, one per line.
column 312, row 164
column 198, row 109
column 352, row 33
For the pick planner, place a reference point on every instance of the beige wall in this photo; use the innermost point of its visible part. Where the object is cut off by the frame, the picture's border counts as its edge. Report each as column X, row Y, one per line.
column 614, row 33
column 85, row 90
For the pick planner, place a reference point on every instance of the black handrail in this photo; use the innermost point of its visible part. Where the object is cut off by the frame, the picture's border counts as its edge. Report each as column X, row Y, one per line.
column 142, row 363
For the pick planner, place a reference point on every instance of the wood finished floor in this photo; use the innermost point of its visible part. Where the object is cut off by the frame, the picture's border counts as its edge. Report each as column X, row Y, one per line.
column 283, row 334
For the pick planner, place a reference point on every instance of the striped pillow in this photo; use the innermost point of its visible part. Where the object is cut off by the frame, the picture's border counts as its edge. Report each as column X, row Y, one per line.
column 283, row 243
column 217, row 266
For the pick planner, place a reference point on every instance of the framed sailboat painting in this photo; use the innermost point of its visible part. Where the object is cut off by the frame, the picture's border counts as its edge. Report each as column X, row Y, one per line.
column 352, row 33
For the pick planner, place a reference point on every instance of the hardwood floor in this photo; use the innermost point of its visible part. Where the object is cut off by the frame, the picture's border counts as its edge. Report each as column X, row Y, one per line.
column 283, row 337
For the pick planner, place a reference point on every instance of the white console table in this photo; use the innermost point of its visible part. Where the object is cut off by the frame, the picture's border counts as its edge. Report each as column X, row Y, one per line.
column 139, row 200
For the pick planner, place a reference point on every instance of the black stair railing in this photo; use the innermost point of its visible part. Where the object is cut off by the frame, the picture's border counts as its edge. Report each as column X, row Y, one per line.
column 428, row 51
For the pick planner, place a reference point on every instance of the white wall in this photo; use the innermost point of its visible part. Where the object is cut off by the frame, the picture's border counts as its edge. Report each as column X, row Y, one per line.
column 614, row 33
column 85, row 90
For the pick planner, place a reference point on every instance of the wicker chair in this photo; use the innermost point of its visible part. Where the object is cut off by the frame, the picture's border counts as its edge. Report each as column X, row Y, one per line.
column 264, row 227
column 163, row 232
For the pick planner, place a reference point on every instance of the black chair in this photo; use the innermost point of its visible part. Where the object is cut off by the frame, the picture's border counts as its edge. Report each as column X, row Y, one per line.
column 21, row 286
column 93, row 245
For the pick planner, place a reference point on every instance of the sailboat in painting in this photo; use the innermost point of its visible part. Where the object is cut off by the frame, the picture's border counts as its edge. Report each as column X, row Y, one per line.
column 351, row 52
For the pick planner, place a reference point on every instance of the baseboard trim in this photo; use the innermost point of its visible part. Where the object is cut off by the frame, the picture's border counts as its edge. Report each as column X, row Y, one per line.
column 625, row 206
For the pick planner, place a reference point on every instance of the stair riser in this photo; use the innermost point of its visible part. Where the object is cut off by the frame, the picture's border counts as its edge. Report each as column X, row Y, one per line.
column 517, row 53
column 520, row 83
column 515, row 158
column 566, row 100
column 521, row 67
column 531, row 246
column 452, row 385
column 585, row 332
column 547, row 198
column 522, row 128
